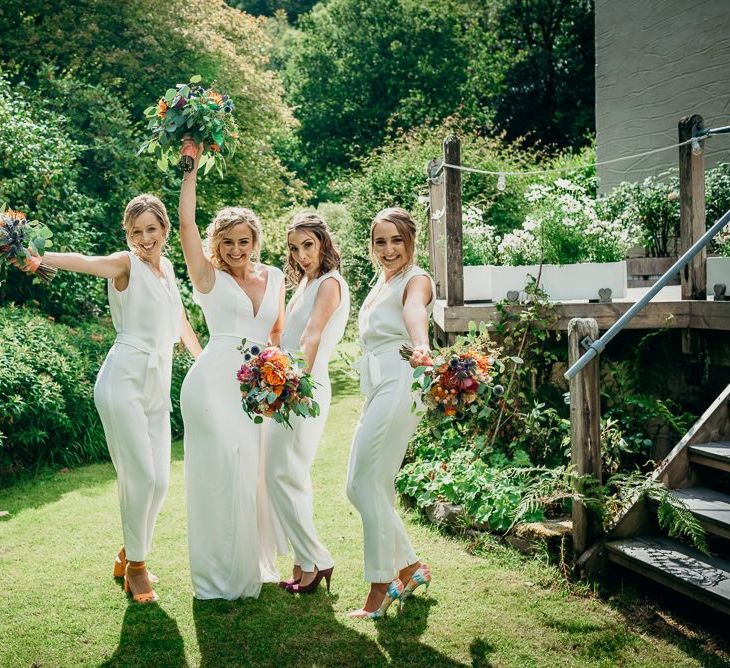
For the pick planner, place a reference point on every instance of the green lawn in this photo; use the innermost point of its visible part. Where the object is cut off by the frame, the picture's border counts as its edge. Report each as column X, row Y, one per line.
column 59, row 605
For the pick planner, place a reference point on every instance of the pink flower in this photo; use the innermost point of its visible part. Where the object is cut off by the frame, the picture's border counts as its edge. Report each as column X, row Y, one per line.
column 245, row 373
column 268, row 353
column 469, row 385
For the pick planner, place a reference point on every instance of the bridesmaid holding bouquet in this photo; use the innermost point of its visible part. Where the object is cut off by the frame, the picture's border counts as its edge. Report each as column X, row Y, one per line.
column 230, row 538
column 316, row 317
column 132, row 392
column 395, row 313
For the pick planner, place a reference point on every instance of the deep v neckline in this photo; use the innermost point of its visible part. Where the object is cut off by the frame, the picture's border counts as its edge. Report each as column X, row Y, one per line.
column 250, row 301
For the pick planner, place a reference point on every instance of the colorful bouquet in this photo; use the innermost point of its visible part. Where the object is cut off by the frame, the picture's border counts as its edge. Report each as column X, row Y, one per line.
column 191, row 111
column 274, row 385
column 458, row 380
column 24, row 241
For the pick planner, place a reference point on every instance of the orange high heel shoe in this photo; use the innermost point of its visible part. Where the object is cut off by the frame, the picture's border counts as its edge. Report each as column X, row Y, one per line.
column 146, row 597
column 120, row 565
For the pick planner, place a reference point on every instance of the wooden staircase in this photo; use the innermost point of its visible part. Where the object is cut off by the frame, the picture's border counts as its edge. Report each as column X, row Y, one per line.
column 698, row 472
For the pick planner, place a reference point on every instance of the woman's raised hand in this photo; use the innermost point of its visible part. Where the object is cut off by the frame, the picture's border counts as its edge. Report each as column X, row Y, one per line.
column 192, row 150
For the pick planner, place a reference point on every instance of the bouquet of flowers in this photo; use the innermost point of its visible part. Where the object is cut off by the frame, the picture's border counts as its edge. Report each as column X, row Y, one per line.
column 24, row 241
column 459, row 380
column 274, row 385
column 191, row 111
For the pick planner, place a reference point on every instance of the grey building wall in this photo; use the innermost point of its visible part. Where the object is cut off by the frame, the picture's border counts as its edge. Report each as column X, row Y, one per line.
column 656, row 61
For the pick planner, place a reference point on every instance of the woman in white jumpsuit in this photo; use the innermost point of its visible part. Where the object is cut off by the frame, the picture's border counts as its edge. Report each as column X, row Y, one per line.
column 230, row 538
column 395, row 313
column 132, row 392
column 316, row 317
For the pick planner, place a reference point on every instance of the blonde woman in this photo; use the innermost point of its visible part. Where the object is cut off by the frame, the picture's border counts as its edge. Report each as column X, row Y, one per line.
column 316, row 317
column 241, row 298
column 396, row 312
column 132, row 392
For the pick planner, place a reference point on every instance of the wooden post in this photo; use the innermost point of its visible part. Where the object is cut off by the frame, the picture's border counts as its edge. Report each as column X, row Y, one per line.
column 585, row 429
column 436, row 225
column 692, row 209
column 452, row 199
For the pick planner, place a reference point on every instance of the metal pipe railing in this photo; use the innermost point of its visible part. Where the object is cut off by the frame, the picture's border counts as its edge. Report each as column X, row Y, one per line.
column 596, row 348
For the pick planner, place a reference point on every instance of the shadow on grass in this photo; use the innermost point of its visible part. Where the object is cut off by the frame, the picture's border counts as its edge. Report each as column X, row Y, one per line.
column 400, row 636
column 700, row 631
column 49, row 485
column 279, row 629
column 149, row 637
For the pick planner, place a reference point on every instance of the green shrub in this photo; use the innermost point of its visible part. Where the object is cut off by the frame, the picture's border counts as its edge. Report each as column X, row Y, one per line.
column 38, row 175
column 47, row 376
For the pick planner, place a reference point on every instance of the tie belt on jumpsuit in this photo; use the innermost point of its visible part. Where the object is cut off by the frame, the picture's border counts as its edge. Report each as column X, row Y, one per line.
column 369, row 367
column 155, row 382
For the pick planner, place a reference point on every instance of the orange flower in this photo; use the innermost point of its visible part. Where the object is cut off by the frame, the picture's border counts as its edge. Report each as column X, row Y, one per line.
column 215, row 97
column 450, row 410
column 162, row 109
column 215, row 148
column 14, row 215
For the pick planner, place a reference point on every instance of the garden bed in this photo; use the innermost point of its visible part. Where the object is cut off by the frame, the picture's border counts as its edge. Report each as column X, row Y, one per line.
column 593, row 281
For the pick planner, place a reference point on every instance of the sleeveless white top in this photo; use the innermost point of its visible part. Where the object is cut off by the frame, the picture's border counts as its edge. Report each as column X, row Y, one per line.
column 229, row 311
column 381, row 324
column 380, row 319
column 299, row 310
column 147, row 316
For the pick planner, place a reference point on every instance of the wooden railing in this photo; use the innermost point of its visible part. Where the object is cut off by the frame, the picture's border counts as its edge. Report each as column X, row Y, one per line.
column 445, row 247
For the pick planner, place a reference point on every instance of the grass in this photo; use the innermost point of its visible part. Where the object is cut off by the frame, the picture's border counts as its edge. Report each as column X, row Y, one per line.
column 489, row 606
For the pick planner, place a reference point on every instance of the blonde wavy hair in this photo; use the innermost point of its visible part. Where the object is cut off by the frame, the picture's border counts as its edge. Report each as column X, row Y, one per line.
column 139, row 205
column 329, row 254
column 406, row 227
column 225, row 220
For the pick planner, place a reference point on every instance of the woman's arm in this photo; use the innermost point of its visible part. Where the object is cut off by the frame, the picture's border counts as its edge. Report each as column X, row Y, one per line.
column 200, row 269
column 278, row 328
column 189, row 337
column 114, row 266
column 416, row 298
column 326, row 303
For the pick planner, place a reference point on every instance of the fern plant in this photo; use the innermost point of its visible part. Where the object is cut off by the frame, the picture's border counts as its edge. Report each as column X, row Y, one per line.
column 673, row 514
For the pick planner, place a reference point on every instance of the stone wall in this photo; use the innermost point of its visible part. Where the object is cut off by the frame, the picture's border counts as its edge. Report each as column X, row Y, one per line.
column 656, row 61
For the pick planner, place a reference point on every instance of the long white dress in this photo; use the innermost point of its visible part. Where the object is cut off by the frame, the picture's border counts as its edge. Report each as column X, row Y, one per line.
column 386, row 425
column 132, row 395
column 230, row 543
column 291, row 451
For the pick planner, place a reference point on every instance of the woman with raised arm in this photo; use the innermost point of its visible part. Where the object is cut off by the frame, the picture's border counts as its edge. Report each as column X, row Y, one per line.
column 316, row 317
column 230, row 556
column 132, row 392
column 396, row 312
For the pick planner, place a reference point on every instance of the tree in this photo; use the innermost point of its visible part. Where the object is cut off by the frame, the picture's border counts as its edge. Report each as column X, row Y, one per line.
column 293, row 8
column 357, row 71
column 538, row 74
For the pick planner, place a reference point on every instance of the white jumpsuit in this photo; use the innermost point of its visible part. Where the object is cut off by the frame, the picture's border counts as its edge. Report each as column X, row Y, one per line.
column 386, row 425
column 132, row 395
column 230, row 539
column 291, row 451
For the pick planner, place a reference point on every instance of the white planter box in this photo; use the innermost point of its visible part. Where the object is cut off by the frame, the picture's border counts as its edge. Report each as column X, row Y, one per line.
column 718, row 271
column 561, row 282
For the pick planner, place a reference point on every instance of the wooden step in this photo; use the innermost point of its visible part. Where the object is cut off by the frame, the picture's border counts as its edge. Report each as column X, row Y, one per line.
column 676, row 565
column 715, row 455
column 710, row 507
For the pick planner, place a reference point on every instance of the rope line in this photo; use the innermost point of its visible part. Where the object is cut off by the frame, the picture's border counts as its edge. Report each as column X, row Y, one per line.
column 554, row 170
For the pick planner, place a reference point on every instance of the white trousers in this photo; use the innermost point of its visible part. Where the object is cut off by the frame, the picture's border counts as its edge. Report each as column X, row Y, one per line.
column 288, row 464
column 379, row 445
column 139, row 444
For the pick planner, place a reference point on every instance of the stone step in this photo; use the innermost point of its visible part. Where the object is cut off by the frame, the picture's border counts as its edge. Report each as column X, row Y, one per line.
column 715, row 455
column 710, row 507
column 677, row 566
